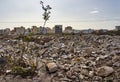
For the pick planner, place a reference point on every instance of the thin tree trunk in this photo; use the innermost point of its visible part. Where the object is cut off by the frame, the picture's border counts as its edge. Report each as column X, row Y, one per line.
column 44, row 24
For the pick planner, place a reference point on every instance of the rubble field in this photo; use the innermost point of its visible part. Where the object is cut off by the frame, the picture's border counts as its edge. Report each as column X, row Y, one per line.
column 60, row 58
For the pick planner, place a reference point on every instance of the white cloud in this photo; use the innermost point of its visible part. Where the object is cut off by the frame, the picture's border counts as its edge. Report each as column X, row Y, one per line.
column 95, row 12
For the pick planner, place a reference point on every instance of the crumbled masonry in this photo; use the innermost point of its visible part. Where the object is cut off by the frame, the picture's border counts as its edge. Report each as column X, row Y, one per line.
column 60, row 58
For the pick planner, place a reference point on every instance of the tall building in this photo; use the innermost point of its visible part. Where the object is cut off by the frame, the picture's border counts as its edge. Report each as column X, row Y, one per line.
column 117, row 27
column 58, row 29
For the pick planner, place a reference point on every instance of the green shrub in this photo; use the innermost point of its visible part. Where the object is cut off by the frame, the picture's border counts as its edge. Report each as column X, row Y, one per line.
column 18, row 70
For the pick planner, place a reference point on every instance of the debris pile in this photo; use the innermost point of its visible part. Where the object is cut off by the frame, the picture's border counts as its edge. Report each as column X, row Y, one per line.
column 70, row 58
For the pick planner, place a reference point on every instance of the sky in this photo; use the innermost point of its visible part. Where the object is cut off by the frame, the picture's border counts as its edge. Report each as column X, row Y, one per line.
column 80, row 14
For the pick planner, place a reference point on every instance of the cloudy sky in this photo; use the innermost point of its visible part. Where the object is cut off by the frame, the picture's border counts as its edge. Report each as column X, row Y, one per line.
column 80, row 14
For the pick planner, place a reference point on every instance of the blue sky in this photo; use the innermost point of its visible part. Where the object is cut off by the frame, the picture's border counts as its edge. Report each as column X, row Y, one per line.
column 80, row 14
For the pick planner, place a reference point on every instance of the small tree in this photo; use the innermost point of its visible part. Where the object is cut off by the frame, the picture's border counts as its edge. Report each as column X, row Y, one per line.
column 46, row 14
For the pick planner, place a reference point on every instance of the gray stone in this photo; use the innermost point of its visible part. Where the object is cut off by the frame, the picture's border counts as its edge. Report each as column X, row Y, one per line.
column 104, row 71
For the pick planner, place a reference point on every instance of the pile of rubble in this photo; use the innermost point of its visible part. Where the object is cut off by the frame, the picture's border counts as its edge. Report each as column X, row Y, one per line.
column 70, row 58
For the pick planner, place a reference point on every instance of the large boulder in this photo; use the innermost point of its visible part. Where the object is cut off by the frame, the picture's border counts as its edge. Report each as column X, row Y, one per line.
column 104, row 71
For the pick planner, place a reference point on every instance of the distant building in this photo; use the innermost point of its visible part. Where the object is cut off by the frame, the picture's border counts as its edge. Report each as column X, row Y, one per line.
column 19, row 30
column 39, row 30
column 103, row 30
column 35, row 30
column 49, row 30
column 57, row 29
column 68, row 29
column 42, row 30
column 76, row 31
column 117, row 27
column 88, row 31
column 1, row 31
column 27, row 31
column 7, row 31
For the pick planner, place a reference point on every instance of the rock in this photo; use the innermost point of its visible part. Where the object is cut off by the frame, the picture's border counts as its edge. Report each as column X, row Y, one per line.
column 85, row 72
column 40, row 64
column 104, row 71
column 18, row 77
column 9, row 77
column 64, row 56
column 8, row 71
column 65, row 80
column 116, row 58
column 79, row 59
column 51, row 67
column 66, row 67
column 60, row 75
column 98, row 58
column 81, row 76
column 70, row 74
column 41, row 52
column 84, row 66
column 97, row 79
column 91, row 73
column 54, row 56
column 90, row 63
column 103, row 57
column 116, row 64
